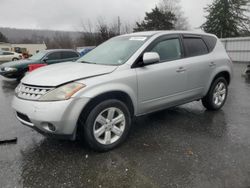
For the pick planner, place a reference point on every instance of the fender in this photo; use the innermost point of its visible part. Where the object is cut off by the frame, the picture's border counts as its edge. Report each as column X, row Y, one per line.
column 217, row 71
column 105, row 84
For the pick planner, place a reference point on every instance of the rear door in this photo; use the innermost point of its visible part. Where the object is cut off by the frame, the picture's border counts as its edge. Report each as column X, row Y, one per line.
column 198, row 64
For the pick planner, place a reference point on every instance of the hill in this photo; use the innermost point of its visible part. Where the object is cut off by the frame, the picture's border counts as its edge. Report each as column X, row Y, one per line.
column 34, row 36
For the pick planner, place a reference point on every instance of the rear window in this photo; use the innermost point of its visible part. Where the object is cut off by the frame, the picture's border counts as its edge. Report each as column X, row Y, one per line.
column 68, row 55
column 210, row 41
column 195, row 47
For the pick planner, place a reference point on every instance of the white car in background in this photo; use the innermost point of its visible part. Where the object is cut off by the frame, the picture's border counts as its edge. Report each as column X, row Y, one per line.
column 6, row 56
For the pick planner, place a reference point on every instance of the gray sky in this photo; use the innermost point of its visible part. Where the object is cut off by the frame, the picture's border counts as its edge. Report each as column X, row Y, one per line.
column 68, row 14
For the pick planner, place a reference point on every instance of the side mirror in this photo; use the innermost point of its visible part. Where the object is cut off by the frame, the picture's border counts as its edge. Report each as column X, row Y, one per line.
column 151, row 57
column 45, row 59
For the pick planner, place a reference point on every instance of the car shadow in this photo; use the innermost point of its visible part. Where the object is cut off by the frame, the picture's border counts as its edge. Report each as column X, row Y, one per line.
column 191, row 119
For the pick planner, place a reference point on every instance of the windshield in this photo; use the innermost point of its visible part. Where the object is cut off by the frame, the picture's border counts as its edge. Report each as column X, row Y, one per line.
column 115, row 51
column 38, row 55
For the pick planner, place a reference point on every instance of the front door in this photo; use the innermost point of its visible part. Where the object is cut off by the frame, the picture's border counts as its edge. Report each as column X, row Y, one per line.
column 162, row 84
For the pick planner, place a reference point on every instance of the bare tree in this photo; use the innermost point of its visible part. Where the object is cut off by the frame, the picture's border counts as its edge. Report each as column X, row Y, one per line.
column 3, row 38
column 105, row 31
column 181, row 22
column 127, row 28
column 87, row 36
column 93, row 35
column 62, row 40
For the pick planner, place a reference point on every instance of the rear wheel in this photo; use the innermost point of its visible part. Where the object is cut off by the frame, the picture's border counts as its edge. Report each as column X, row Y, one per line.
column 15, row 59
column 107, row 125
column 217, row 95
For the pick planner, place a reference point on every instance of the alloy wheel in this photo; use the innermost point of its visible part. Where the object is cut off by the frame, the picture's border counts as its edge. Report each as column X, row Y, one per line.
column 109, row 126
column 219, row 94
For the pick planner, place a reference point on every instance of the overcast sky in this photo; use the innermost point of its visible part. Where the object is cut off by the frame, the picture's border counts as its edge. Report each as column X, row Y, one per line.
column 68, row 14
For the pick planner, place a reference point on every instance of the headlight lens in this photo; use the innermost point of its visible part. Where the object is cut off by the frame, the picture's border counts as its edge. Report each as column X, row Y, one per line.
column 64, row 92
column 18, row 88
column 10, row 69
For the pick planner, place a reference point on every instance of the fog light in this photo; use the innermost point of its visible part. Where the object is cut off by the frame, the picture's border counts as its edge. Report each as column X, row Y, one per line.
column 49, row 126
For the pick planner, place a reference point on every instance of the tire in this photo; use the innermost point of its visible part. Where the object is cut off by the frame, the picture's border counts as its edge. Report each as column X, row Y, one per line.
column 100, row 131
column 217, row 95
column 15, row 59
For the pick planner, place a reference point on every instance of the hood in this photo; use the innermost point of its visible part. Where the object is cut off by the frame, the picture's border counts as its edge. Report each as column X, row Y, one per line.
column 54, row 75
column 18, row 63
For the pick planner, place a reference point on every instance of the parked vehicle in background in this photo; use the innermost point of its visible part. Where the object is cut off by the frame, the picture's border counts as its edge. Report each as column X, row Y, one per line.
column 6, row 56
column 21, row 48
column 130, row 75
column 17, row 69
column 84, row 50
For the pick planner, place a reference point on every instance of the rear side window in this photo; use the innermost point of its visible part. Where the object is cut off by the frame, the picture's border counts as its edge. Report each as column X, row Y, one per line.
column 54, row 56
column 210, row 41
column 8, row 53
column 68, row 55
column 169, row 49
column 195, row 47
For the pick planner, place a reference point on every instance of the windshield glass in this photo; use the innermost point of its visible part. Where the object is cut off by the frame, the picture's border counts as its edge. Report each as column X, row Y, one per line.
column 38, row 55
column 115, row 51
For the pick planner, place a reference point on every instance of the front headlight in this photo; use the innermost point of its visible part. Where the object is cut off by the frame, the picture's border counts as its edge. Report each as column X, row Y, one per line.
column 10, row 69
column 18, row 88
column 64, row 92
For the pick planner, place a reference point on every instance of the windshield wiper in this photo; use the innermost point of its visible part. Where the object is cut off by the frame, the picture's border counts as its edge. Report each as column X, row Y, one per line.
column 87, row 62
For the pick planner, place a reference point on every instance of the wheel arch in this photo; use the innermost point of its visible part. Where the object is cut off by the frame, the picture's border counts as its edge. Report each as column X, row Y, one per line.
column 223, row 73
column 119, row 95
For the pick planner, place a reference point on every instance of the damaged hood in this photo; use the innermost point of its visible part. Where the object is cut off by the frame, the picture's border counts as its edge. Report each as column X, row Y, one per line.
column 54, row 75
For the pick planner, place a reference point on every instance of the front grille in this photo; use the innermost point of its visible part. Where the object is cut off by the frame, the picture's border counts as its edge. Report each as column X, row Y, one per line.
column 31, row 92
column 23, row 117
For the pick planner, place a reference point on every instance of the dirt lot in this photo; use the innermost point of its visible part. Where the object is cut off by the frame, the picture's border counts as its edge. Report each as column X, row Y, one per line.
column 184, row 146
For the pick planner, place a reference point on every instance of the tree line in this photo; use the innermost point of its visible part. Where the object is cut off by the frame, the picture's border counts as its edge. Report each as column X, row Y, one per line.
column 224, row 18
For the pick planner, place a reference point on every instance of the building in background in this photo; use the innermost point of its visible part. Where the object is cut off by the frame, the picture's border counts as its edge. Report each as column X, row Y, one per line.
column 238, row 48
column 22, row 48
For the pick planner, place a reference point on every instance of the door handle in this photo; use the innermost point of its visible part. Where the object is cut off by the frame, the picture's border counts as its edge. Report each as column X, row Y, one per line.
column 212, row 64
column 181, row 69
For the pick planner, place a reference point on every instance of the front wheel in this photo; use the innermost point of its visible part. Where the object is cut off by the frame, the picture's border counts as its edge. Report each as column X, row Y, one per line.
column 107, row 125
column 217, row 95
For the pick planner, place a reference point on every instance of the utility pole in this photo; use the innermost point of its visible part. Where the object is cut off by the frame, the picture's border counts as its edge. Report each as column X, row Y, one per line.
column 119, row 25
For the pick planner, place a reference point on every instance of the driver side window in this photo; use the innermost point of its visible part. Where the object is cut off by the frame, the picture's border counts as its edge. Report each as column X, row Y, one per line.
column 168, row 50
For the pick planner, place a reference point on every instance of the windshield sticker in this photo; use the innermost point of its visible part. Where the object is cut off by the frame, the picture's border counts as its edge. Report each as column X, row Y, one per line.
column 138, row 38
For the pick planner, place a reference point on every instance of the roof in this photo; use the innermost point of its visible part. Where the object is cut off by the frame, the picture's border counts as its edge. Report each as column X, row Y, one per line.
column 151, row 33
column 56, row 50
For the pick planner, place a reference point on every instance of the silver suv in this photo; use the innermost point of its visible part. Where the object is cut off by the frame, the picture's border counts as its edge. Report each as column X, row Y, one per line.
column 96, row 97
